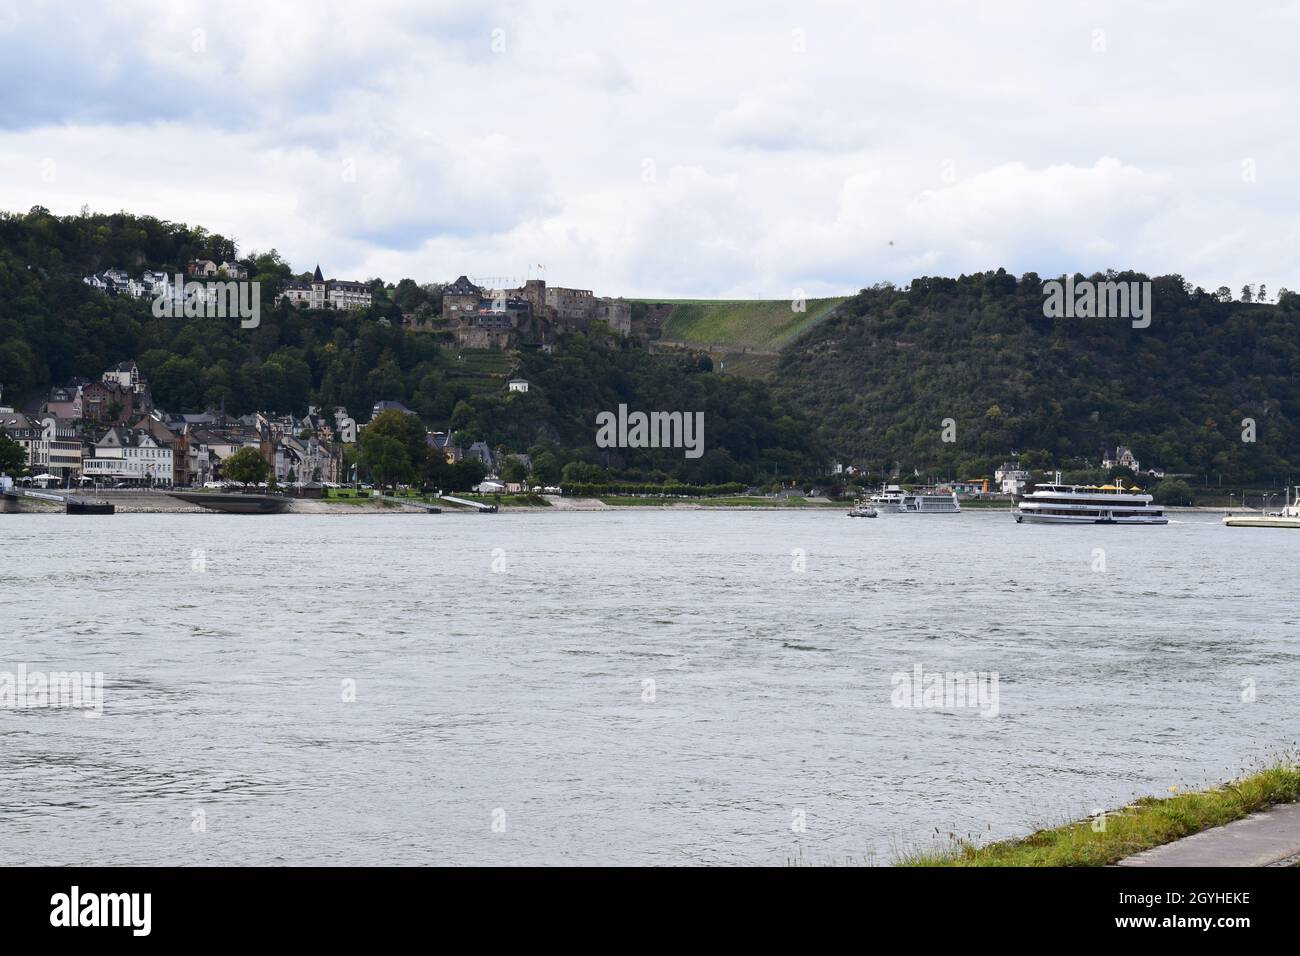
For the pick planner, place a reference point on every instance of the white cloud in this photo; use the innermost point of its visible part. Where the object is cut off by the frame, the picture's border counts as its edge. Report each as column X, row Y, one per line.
column 485, row 138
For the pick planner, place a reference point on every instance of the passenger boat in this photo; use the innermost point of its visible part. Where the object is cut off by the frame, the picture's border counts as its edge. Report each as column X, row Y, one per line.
column 1288, row 517
column 893, row 499
column 862, row 509
column 1059, row 503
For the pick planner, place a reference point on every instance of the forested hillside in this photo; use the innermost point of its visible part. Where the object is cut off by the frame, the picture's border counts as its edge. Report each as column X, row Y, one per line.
column 881, row 375
column 54, row 327
column 749, row 437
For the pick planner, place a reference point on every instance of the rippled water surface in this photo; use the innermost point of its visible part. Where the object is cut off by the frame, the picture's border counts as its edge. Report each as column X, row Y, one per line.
column 517, row 696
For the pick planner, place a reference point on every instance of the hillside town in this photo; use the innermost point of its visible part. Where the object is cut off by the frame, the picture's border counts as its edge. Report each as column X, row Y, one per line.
column 110, row 433
column 487, row 315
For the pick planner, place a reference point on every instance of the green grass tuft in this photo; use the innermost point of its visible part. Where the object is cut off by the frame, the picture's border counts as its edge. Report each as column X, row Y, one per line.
column 1148, row 823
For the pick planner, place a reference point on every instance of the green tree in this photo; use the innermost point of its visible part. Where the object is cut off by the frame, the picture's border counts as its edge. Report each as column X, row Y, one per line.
column 385, row 458
column 514, row 471
column 582, row 472
column 436, row 471
column 467, row 473
column 1172, row 491
column 461, row 415
column 13, row 458
column 408, row 430
column 246, row 466
column 546, row 469
column 1121, row 472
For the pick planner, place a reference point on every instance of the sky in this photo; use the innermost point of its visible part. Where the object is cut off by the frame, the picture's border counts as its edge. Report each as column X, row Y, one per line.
column 674, row 149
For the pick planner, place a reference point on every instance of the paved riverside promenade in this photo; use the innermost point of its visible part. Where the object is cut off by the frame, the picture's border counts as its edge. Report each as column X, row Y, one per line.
column 1268, row 838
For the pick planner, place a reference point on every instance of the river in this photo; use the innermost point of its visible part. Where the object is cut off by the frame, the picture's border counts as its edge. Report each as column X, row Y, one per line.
column 622, row 687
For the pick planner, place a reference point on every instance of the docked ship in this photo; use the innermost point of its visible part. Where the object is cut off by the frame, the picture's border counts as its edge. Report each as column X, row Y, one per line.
column 893, row 499
column 235, row 503
column 1059, row 503
column 1288, row 517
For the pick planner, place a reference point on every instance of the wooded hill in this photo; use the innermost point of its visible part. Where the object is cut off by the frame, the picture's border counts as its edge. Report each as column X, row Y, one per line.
column 880, row 376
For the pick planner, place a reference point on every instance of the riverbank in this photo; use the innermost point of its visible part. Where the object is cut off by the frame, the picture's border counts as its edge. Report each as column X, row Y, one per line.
column 157, row 502
column 1114, row 835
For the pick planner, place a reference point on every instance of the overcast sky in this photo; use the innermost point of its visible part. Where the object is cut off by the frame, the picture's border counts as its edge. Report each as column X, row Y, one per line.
column 678, row 149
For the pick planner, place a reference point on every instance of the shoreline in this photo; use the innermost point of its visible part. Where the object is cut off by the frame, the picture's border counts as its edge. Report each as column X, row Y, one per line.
column 1199, row 825
column 153, row 502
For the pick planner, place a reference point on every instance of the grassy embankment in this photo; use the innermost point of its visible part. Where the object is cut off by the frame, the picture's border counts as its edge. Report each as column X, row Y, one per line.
column 1148, row 823
column 744, row 335
column 481, row 371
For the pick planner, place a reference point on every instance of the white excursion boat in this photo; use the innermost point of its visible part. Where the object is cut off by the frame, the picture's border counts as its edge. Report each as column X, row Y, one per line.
column 1059, row 503
column 894, row 499
column 1288, row 517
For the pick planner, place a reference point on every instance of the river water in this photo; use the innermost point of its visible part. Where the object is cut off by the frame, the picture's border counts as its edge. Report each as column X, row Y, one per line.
column 627, row 687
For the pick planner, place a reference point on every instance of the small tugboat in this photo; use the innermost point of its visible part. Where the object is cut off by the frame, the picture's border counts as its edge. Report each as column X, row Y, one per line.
column 1288, row 517
column 861, row 510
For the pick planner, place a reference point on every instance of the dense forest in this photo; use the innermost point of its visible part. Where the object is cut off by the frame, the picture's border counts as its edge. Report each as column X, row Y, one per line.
column 748, row 436
column 54, row 327
column 881, row 375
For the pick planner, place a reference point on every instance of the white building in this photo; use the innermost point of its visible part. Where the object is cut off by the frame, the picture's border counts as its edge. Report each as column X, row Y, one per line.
column 126, row 375
column 206, row 267
column 52, row 446
column 1121, row 458
column 117, row 282
column 1011, row 478
column 129, row 455
column 322, row 293
column 307, row 459
column 517, row 385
